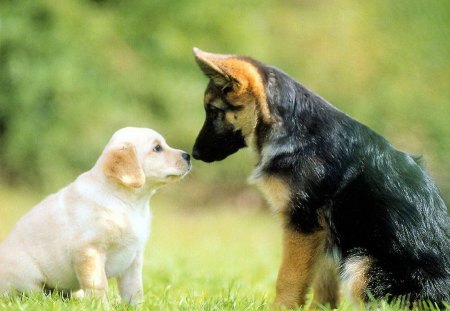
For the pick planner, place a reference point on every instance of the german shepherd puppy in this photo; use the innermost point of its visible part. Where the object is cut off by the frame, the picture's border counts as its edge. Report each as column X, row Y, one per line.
column 357, row 213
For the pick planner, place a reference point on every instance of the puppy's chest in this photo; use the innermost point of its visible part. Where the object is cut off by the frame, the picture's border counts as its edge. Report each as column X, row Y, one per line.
column 276, row 191
column 128, row 234
column 125, row 228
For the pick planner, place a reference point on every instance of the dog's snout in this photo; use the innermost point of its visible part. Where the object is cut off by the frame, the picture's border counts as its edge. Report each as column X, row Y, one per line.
column 196, row 154
column 186, row 156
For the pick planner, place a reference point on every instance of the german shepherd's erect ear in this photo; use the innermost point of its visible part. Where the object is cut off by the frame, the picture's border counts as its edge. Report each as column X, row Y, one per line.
column 235, row 105
column 213, row 66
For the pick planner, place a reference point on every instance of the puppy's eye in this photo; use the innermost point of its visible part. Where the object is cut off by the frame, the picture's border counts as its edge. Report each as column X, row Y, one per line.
column 157, row 148
column 214, row 111
column 227, row 89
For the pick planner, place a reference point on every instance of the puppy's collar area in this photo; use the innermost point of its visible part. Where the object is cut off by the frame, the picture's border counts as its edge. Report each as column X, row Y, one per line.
column 138, row 200
column 105, row 188
column 274, row 146
column 265, row 157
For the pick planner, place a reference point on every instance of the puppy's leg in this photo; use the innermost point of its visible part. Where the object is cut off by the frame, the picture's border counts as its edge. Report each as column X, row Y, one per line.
column 300, row 253
column 355, row 278
column 130, row 282
column 19, row 273
column 89, row 265
column 78, row 294
column 326, row 283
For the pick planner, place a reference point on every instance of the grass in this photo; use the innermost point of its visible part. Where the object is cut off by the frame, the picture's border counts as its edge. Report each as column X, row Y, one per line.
column 199, row 259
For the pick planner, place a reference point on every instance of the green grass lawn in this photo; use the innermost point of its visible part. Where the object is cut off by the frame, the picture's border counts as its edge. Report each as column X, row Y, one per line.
column 204, row 259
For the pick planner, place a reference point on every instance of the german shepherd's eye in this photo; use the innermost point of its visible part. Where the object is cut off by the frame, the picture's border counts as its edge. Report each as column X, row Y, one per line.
column 227, row 89
column 217, row 108
column 214, row 110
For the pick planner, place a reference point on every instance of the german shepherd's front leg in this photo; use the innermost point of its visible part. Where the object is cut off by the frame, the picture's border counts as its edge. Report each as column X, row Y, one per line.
column 300, row 253
column 325, row 284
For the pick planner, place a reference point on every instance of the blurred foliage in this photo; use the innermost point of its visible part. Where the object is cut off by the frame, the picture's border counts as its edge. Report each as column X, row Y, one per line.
column 72, row 72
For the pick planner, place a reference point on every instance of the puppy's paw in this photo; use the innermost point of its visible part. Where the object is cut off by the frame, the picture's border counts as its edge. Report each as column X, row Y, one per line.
column 280, row 306
column 134, row 299
column 78, row 294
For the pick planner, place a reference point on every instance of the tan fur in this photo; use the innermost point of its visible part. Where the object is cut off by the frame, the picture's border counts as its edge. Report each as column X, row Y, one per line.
column 250, row 88
column 122, row 164
column 244, row 119
column 326, row 283
column 300, row 253
column 354, row 277
column 276, row 192
column 89, row 268
column 208, row 97
column 244, row 79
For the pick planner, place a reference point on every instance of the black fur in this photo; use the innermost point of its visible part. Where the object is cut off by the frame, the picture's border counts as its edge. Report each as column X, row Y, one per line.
column 217, row 139
column 215, row 143
column 374, row 200
column 377, row 201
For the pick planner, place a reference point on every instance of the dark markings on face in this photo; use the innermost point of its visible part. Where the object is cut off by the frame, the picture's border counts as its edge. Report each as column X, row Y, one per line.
column 218, row 138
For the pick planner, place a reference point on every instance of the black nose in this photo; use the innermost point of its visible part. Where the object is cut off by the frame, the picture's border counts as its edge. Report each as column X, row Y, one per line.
column 186, row 156
column 195, row 154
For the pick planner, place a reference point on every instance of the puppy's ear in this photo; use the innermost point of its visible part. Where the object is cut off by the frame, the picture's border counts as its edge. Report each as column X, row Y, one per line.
column 213, row 66
column 123, row 165
column 240, row 78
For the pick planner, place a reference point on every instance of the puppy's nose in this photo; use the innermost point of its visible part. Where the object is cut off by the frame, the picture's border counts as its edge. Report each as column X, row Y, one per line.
column 196, row 154
column 186, row 156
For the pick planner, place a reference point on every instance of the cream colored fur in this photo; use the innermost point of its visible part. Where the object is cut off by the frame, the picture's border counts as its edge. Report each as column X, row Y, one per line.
column 96, row 227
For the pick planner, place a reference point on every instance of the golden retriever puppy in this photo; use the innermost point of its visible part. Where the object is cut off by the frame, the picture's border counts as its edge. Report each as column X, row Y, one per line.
column 96, row 227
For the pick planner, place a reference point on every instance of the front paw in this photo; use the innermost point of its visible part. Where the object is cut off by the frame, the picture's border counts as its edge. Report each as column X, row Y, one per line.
column 78, row 294
column 283, row 304
column 134, row 299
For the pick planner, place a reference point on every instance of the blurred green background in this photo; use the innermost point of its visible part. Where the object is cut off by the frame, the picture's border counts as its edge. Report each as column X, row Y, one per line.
column 73, row 72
